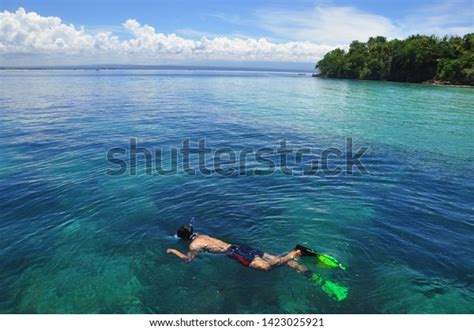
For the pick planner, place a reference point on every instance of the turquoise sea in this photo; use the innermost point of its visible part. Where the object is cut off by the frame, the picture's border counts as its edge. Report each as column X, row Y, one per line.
column 75, row 240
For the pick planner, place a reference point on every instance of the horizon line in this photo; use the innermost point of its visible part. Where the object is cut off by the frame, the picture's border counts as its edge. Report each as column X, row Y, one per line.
column 149, row 67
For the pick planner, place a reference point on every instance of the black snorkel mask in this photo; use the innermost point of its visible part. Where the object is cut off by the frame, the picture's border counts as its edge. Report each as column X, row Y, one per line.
column 186, row 232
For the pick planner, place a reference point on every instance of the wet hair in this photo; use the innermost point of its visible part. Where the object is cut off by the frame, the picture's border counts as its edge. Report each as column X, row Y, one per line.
column 185, row 232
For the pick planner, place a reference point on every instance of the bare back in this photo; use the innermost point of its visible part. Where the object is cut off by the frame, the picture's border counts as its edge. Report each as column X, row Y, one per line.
column 209, row 244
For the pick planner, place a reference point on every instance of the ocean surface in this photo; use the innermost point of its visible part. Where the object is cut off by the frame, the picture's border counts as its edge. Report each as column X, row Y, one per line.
column 76, row 240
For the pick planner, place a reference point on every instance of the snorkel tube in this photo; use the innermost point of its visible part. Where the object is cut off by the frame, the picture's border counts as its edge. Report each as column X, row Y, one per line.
column 191, row 223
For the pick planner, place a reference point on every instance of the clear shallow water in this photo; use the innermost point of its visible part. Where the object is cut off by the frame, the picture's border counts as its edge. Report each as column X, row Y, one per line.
column 75, row 240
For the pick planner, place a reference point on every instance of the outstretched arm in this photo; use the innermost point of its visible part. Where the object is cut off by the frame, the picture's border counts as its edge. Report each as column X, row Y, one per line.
column 186, row 257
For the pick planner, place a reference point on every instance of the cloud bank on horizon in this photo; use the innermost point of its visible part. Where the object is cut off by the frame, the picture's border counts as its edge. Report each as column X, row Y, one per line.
column 29, row 38
column 27, row 33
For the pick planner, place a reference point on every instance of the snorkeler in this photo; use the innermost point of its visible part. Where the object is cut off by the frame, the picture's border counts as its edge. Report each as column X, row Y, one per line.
column 244, row 254
column 257, row 259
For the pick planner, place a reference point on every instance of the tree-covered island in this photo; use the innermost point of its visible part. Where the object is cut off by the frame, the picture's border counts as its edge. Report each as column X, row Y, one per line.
column 418, row 58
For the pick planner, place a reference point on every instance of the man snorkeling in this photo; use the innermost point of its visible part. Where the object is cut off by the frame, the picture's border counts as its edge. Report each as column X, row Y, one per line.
column 244, row 254
column 257, row 259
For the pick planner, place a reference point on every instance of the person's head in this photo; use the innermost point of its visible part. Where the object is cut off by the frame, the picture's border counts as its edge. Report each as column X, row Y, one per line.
column 185, row 232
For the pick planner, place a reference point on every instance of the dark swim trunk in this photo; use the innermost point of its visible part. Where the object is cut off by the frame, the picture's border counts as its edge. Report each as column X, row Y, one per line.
column 243, row 253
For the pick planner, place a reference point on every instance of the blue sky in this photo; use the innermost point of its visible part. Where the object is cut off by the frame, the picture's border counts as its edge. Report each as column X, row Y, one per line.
column 212, row 17
column 271, row 31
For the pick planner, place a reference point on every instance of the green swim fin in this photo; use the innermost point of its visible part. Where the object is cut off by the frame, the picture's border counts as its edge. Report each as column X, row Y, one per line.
column 329, row 261
column 322, row 259
column 332, row 289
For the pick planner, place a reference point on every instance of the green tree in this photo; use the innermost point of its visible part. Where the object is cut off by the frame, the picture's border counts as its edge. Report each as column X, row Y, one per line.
column 332, row 65
column 416, row 59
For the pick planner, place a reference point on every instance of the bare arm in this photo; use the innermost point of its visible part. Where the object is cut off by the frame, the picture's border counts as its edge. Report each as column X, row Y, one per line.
column 186, row 257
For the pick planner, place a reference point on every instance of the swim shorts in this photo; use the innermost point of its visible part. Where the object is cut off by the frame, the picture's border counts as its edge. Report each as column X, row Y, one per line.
column 243, row 253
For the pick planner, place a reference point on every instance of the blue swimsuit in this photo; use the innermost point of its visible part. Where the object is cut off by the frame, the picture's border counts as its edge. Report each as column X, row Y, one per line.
column 243, row 253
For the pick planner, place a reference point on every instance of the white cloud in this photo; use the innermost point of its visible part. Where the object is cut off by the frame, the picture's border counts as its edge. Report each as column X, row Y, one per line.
column 333, row 25
column 342, row 24
column 27, row 33
column 455, row 17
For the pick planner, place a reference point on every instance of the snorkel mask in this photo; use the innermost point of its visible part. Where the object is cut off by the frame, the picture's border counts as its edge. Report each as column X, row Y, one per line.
column 186, row 231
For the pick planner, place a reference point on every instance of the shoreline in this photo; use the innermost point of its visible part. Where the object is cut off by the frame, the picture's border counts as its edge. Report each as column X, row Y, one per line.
column 442, row 83
column 428, row 82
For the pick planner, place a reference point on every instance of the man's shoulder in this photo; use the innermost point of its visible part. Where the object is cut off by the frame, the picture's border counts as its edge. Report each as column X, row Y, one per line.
column 199, row 240
column 202, row 236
